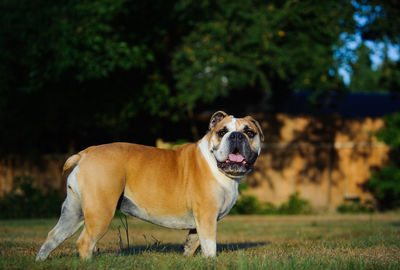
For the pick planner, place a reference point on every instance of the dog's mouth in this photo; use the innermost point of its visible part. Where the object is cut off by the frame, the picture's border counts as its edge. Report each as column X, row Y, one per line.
column 235, row 165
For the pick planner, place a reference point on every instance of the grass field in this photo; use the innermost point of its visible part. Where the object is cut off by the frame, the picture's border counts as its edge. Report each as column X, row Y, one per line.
column 244, row 242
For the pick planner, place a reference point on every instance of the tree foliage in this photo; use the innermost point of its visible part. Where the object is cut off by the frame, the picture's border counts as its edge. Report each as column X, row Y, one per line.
column 364, row 78
column 258, row 45
column 378, row 22
column 385, row 78
column 382, row 19
column 390, row 75
column 83, row 72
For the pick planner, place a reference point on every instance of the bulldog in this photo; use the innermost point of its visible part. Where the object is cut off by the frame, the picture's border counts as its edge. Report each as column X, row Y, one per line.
column 190, row 187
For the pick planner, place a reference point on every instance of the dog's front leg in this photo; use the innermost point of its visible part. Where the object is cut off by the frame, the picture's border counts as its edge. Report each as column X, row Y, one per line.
column 206, row 226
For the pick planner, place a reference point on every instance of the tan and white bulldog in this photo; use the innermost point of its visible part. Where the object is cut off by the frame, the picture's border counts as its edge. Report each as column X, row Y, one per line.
column 190, row 187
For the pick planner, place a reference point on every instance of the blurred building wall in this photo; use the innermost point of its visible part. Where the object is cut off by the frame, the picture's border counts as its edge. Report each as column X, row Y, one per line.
column 45, row 172
column 328, row 159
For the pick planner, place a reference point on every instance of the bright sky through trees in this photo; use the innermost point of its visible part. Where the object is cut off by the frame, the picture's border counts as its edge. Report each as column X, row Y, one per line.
column 378, row 49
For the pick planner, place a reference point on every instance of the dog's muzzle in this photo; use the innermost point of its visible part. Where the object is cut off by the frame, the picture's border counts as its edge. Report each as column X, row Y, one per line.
column 240, row 159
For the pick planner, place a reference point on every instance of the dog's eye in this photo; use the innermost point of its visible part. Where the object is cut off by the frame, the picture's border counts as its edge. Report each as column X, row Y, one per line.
column 250, row 134
column 221, row 133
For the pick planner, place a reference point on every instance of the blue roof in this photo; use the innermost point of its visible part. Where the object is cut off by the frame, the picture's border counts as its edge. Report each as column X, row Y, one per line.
column 347, row 105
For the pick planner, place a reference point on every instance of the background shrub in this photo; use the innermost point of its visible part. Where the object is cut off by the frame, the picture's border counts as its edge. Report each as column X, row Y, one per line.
column 385, row 183
column 26, row 201
column 250, row 205
column 295, row 205
column 356, row 207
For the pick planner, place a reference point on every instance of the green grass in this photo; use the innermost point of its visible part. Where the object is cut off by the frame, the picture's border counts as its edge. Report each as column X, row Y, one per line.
column 244, row 242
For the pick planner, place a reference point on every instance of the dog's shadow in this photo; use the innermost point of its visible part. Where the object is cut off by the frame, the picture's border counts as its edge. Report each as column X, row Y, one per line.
column 178, row 248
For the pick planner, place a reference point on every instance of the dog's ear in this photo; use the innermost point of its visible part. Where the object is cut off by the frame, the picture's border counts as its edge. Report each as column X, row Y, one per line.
column 216, row 118
column 251, row 119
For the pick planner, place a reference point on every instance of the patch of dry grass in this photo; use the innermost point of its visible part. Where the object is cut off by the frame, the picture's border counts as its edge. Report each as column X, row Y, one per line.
column 244, row 242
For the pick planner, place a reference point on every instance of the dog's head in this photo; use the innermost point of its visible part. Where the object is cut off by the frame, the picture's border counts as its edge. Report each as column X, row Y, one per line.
column 235, row 143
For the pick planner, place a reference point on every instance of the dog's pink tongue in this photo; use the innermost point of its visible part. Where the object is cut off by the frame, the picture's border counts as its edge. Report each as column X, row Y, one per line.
column 236, row 158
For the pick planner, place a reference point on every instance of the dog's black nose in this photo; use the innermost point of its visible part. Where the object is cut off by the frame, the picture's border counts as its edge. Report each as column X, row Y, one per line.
column 236, row 136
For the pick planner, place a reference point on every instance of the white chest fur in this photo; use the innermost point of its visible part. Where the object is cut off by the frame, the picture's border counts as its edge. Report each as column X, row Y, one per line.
column 229, row 197
column 228, row 186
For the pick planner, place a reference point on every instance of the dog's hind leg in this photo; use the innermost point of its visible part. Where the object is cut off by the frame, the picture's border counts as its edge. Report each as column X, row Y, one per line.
column 96, row 225
column 70, row 221
column 192, row 243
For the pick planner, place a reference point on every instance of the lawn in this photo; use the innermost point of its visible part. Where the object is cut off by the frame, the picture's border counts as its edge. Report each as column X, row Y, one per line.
column 244, row 242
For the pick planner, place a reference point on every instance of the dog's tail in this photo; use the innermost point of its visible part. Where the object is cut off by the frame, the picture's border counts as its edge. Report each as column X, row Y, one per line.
column 70, row 164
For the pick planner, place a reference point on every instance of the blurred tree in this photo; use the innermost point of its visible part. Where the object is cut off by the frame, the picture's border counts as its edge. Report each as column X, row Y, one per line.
column 78, row 70
column 385, row 78
column 364, row 78
column 47, row 39
column 273, row 46
column 381, row 19
column 390, row 75
column 379, row 22
column 84, row 72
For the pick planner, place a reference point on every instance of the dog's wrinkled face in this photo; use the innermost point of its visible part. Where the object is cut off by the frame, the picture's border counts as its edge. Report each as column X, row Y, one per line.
column 235, row 143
